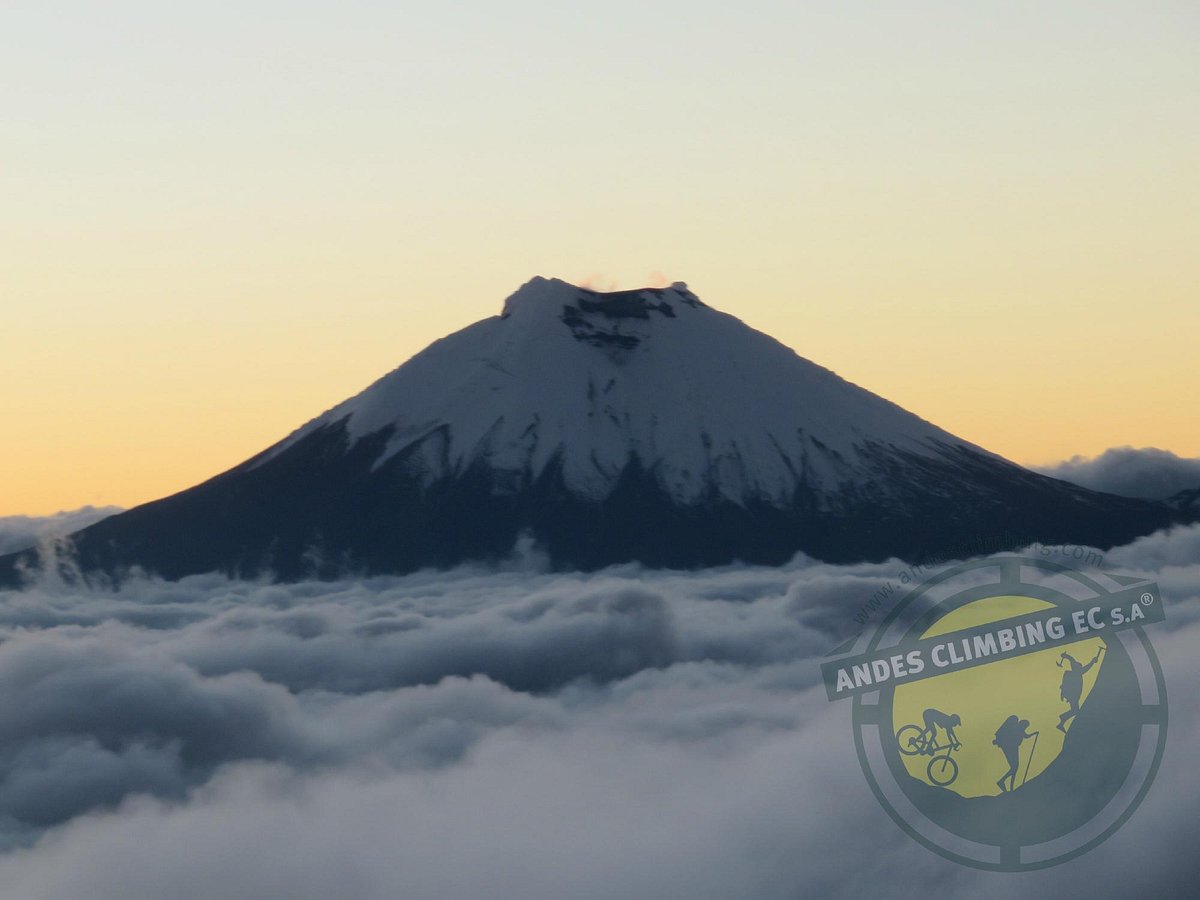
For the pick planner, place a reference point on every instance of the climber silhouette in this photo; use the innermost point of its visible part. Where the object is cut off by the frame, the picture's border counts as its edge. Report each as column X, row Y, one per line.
column 1008, row 738
column 1072, row 685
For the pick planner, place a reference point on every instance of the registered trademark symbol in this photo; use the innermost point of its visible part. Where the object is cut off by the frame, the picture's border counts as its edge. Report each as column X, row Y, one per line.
column 1147, row 599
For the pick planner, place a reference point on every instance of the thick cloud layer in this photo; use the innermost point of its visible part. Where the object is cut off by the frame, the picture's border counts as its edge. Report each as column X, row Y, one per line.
column 1148, row 473
column 484, row 733
column 23, row 532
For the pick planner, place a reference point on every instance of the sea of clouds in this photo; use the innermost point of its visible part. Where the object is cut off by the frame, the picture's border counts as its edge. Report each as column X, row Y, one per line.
column 497, row 733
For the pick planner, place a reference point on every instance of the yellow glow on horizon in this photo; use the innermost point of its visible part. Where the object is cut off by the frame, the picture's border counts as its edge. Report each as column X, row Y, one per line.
column 117, row 418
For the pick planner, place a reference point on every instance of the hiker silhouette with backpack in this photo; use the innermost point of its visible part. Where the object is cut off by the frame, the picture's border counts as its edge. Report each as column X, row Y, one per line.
column 1072, row 685
column 1009, row 737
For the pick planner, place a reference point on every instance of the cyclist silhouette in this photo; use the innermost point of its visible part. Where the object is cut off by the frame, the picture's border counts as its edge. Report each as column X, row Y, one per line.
column 1072, row 685
column 1008, row 738
column 935, row 719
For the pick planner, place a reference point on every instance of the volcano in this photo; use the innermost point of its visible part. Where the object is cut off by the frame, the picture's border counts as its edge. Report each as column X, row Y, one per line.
column 604, row 428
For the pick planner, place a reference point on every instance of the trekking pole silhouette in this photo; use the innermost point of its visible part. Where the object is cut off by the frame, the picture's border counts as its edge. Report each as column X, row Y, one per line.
column 1032, row 750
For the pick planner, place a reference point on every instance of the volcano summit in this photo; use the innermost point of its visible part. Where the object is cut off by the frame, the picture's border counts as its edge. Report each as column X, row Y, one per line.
column 610, row 427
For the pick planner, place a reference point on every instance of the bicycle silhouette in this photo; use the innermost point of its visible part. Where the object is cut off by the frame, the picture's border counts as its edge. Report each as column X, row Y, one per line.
column 942, row 769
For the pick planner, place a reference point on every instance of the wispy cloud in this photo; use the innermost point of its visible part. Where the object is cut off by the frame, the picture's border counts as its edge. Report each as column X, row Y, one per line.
column 1148, row 473
column 22, row 532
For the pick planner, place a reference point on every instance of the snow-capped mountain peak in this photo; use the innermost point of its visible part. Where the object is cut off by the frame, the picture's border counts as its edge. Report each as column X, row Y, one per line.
column 606, row 427
column 592, row 383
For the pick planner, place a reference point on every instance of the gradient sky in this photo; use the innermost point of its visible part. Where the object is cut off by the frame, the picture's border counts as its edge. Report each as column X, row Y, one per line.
column 219, row 219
